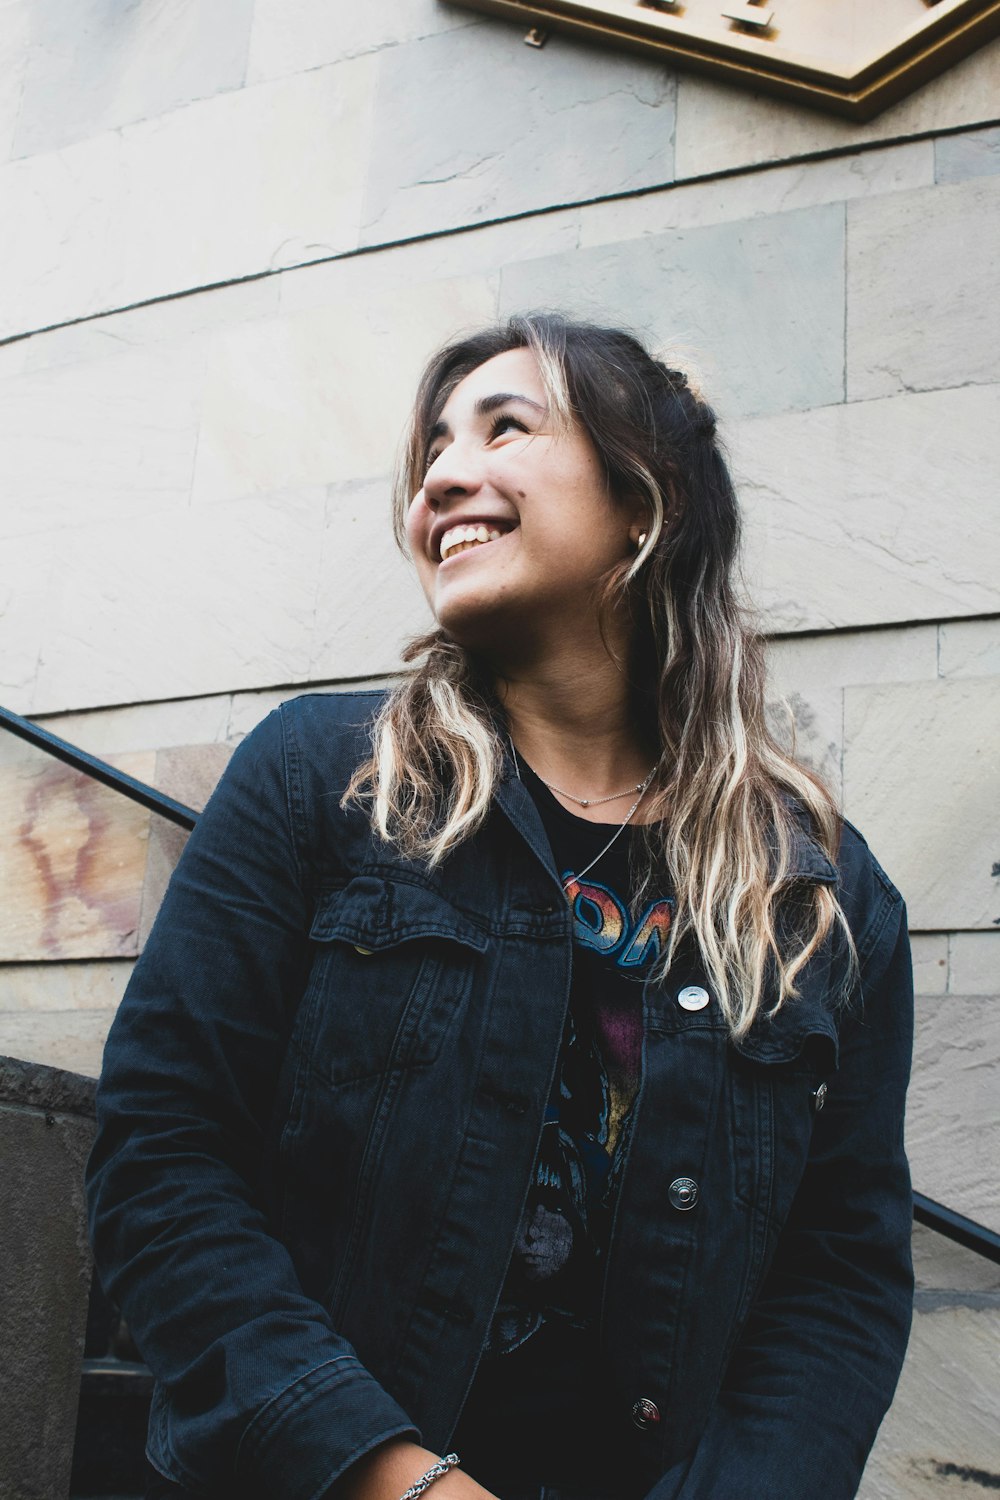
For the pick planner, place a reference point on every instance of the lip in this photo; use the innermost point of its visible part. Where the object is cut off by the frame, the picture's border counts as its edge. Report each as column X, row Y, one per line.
column 503, row 524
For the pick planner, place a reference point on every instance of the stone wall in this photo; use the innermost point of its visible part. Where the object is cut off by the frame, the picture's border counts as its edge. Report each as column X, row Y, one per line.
column 231, row 233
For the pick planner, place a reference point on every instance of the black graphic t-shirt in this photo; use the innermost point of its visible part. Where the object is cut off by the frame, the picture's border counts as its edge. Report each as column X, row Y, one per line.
column 541, row 1370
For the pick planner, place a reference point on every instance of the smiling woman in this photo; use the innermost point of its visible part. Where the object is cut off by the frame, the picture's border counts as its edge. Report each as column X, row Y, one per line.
column 517, row 1063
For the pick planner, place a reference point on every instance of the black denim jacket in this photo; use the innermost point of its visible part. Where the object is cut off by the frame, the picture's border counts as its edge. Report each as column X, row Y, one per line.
column 320, row 1106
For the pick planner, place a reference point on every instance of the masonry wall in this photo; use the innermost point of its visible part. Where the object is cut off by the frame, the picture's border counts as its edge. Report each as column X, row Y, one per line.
column 229, row 235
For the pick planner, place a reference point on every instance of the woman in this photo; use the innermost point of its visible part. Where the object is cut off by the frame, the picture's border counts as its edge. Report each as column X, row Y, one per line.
column 517, row 1063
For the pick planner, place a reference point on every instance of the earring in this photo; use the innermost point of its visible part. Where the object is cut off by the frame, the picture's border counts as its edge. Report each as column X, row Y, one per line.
column 640, row 540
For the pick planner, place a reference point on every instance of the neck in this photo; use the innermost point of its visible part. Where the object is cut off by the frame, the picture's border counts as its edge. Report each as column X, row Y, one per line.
column 574, row 723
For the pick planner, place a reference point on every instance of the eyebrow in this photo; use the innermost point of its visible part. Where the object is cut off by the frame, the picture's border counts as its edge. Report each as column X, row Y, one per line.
column 484, row 407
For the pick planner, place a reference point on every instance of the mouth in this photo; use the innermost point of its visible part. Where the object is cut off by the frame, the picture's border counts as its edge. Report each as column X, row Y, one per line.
column 463, row 538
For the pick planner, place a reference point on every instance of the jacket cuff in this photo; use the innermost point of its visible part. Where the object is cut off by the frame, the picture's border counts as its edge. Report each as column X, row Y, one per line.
column 304, row 1439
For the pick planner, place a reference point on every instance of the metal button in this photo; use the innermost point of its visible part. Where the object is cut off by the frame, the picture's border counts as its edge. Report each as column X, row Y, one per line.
column 645, row 1413
column 683, row 1193
column 819, row 1097
column 692, row 997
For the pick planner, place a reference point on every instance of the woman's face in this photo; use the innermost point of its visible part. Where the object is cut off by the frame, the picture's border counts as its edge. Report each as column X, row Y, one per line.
column 513, row 527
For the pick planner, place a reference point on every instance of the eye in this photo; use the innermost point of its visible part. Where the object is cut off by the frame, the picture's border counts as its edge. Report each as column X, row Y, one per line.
column 504, row 420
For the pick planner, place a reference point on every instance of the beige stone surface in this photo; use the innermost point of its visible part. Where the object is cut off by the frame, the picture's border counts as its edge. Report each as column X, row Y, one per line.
column 930, row 963
column 369, row 603
column 970, row 648
column 72, row 1039
column 222, row 598
column 290, row 38
column 808, row 673
column 952, row 1123
column 192, row 721
column 974, row 963
column 721, row 126
column 248, row 181
column 939, row 1440
column 91, row 68
column 15, row 32
column 748, row 194
column 106, row 439
column 842, row 505
column 72, row 859
column 915, row 307
column 322, row 395
column 922, row 778
column 96, row 984
column 939, row 1265
column 189, row 773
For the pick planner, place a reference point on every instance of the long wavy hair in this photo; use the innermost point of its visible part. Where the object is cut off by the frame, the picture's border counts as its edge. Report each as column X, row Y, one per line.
column 726, row 803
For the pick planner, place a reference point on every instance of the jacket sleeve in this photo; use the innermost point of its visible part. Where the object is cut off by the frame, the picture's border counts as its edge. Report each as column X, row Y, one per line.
column 262, row 1394
column 816, row 1365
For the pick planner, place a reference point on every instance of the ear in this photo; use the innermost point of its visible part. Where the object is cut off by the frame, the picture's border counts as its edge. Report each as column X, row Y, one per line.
column 639, row 528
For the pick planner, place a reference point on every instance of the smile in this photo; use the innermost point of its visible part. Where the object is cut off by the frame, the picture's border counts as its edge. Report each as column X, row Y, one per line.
column 461, row 538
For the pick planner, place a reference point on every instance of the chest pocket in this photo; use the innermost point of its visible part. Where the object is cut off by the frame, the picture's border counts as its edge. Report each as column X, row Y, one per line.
column 779, row 1078
column 393, row 969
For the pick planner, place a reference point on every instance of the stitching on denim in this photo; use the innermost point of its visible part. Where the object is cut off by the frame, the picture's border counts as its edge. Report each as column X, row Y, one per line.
column 285, row 1401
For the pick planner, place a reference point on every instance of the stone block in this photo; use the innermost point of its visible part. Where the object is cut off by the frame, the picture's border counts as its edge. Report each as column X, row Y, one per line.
column 930, row 963
column 72, row 1039
column 318, row 396
column 109, row 439
column 249, row 708
column 96, row 984
column 291, row 38
column 73, row 857
column 843, row 510
column 188, row 773
column 93, row 67
column 721, row 126
column 974, row 962
column 915, row 305
column 194, row 721
column 976, row 154
column 369, row 603
column 969, row 648
column 510, row 129
column 46, row 1127
column 939, row 1440
column 221, row 597
column 952, row 1124
column 807, row 676
column 921, row 779
column 15, row 40
column 941, row 1266
column 243, row 183
column 747, row 195
column 760, row 300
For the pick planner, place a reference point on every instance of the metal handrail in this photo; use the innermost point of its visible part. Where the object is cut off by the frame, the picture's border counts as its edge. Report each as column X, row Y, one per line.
column 936, row 1216
column 118, row 781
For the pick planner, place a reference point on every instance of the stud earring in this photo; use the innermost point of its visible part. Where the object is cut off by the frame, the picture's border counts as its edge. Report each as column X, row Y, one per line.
column 640, row 540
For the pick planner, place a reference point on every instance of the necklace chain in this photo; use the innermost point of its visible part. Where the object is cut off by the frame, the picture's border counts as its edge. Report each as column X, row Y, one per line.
column 642, row 789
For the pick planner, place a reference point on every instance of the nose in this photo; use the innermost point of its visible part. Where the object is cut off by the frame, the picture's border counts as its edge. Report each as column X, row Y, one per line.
column 454, row 475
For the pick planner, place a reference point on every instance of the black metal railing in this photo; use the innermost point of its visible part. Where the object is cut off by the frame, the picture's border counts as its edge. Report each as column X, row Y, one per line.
column 937, row 1216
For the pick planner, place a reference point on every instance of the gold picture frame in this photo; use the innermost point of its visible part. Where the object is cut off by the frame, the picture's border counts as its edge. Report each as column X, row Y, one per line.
column 849, row 57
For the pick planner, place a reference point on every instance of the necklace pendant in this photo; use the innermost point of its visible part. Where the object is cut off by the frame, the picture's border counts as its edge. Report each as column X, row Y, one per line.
column 584, row 801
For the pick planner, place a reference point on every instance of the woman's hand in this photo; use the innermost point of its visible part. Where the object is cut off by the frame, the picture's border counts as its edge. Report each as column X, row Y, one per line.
column 388, row 1471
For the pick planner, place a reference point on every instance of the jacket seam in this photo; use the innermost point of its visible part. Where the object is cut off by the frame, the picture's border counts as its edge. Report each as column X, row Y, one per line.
column 284, row 1401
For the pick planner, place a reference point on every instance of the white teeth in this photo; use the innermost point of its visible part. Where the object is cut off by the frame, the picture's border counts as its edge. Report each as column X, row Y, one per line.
column 459, row 538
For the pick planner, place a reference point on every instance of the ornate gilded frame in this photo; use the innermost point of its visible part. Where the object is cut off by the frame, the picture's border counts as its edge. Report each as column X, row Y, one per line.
column 848, row 57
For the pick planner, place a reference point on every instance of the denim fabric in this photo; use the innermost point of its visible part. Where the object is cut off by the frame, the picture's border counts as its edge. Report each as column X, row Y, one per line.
column 318, row 1117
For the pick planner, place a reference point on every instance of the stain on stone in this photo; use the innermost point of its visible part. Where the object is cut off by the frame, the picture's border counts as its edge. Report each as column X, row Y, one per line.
column 995, row 872
column 981, row 1477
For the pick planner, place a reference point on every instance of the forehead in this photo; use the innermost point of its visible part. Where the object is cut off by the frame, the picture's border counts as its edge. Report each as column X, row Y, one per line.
column 515, row 372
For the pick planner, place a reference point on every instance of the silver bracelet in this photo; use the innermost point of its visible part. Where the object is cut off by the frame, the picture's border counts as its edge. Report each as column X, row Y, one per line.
column 434, row 1472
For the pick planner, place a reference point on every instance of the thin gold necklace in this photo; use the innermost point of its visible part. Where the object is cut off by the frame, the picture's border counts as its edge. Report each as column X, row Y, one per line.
column 642, row 788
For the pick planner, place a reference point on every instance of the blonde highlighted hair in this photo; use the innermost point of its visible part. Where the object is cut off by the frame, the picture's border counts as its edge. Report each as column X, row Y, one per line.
column 728, row 803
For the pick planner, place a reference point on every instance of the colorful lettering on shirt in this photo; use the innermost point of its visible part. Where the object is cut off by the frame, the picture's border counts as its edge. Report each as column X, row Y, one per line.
column 601, row 921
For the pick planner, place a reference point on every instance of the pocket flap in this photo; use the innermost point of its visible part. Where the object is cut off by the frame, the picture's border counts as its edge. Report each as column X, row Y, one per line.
column 802, row 1026
column 377, row 914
